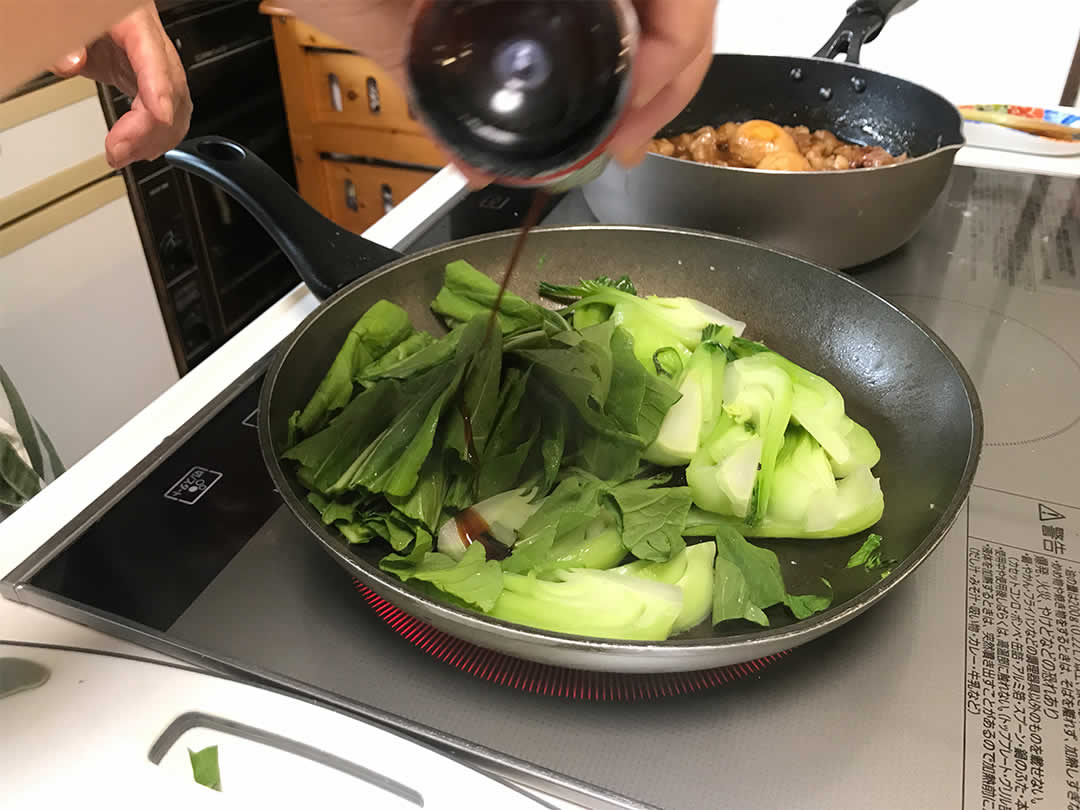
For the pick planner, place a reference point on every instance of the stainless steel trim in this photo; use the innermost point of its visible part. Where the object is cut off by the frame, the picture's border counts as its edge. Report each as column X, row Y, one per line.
column 191, row 720
column 491, row 761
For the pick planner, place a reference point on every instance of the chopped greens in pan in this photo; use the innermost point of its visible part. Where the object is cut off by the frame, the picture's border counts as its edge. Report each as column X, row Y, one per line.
column 593, row 470
column 869, row 557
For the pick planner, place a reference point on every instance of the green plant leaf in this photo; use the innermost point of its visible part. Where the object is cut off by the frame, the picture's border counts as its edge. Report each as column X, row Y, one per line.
column 652, row 518
column 204, row 767
column 381, row 327
column 473, row 579
column 749, row 581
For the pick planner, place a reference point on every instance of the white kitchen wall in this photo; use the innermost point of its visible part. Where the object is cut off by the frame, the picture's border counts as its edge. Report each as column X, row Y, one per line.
column 80, row 330
column 81, row 333
column 970, row 51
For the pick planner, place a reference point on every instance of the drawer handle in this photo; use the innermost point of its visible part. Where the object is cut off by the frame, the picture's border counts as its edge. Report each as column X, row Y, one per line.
column 336, row 102
column 387, row 198
column 374, row 102
column 351, row 201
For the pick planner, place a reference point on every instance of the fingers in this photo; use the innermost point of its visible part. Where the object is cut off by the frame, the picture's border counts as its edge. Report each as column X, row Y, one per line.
column 675, row 51
column 630, row 144
column 139, row 36
column 161, row 111
column 629, row 158
column 141, row 135
column 101, row 61
column 71, row 64
column 108, row 64
column 673, row 33
column 132, row 138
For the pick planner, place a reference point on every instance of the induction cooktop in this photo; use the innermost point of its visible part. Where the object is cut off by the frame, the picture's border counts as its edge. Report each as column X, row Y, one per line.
column 958, row 691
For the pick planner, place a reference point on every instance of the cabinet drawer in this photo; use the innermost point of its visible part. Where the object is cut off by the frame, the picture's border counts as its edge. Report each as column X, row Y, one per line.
column 309, row 37
column 393, row 147
column 361, row 194
column 51, row 142
column 83, row 336
column 352, row 89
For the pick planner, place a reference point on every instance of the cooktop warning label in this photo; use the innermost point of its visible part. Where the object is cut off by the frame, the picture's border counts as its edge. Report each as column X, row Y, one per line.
column 1022, row 662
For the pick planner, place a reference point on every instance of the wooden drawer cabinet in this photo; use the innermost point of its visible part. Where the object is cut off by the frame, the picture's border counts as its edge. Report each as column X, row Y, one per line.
column 352, row 89
column 308, row 37
column 411, row 151
column 362, row 193
column 356, row 146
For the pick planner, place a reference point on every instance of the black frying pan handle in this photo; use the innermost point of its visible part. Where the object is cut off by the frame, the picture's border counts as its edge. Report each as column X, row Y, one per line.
column 326, row 256
column 864, row 21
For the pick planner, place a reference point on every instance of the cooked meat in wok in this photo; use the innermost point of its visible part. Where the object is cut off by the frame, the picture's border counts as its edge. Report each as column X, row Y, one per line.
column 764, row 145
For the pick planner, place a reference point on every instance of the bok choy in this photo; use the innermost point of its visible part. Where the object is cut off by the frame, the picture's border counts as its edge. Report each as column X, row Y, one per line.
column 592, row 470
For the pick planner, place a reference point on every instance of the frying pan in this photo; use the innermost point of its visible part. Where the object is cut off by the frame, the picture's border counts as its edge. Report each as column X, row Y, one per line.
column 897, row 378
column 839, row 218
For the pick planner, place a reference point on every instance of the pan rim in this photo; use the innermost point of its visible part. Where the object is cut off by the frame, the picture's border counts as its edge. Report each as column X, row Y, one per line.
column 771, row 637
column 951, row 146
column 813, row 173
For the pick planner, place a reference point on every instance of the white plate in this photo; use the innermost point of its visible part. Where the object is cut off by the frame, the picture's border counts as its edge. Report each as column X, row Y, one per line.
column 992, row 136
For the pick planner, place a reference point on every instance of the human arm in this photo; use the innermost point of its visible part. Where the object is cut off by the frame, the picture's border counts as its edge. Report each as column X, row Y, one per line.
column 34, row 34
column 676, row 47
column 134, row 54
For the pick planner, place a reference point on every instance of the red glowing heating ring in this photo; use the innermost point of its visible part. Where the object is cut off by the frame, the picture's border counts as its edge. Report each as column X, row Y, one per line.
column 544, row 679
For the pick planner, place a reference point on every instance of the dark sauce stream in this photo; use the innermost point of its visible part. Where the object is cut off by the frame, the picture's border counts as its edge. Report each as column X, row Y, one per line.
column 472, row 528
column 539, row 201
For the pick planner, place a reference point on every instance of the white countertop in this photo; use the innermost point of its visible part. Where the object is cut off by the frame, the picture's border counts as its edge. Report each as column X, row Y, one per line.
column 102, row 716
column 46, row 514
column 1019, row 162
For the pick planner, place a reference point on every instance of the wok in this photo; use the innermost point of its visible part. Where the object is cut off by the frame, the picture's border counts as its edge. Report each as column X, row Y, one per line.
column 840, row 218
column 897, row 377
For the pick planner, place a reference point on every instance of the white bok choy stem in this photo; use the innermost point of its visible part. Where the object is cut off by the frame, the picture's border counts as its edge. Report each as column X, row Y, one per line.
column 502, row 514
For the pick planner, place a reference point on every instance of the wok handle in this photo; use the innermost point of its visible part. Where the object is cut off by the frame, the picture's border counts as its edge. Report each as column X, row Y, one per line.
column 326, row 256
column 864, row 21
